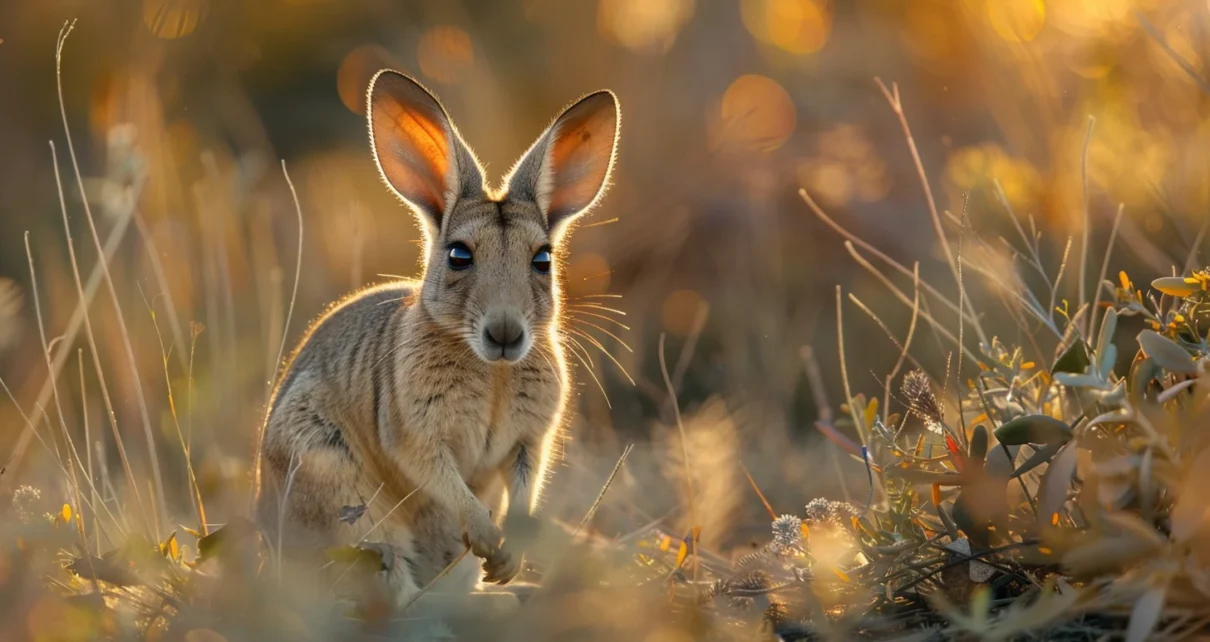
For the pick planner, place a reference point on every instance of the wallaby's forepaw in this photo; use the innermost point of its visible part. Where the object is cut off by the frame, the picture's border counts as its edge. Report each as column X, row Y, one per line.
column 486, row 541
column 482, row 536
column 503, row 567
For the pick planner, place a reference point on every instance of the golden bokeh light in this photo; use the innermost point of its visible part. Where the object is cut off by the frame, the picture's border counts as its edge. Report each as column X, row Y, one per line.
column 355, row 72
column 932, row 32
column 103, row 102
column 1016, row 20
column 1123, row 155
column 756, row 113
column 846, row 168
column 679, row 311
column 334, row 183
column 975, row 167
column 1091, row 59
column 446, row 54
column 645, row 26
column 827, row 180
column 171, row 19
column 1091, row 17
column 795, row 26
column 182, row 139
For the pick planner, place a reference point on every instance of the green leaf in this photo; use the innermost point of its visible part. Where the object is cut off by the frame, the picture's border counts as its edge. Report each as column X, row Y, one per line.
column 1078, row 380
column 1052, row 490
column 1040, row 456
column 1106, row 554
column 1175, row 286
column 1146, row 613
column 1107, row 358
column 1108, row 326
column 950, row 527
column 1074, row 359
column 1001, row 460
column 1166, row 353
column 111, row 569
column 223, row 538
column 964, row 518
column 1142, row 373
column 1034, row 429
column 978, row 447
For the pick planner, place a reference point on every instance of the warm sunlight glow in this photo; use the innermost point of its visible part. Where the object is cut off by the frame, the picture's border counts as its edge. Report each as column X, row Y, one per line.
column 445, row 54
column 643, row 25
column 679, row 311
column 756, row 113
column 171, row 19
column 356, row 70
column 796, row 26
column 1016, row 20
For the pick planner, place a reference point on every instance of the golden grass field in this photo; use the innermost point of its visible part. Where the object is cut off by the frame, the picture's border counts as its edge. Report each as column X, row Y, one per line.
column 894, row 324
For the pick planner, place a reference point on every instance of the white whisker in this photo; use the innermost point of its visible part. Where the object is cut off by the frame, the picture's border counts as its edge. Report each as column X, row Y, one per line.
column 596, row 306
column 600, row 316
column 592, row 374
column 614, row 336
column 600, row 347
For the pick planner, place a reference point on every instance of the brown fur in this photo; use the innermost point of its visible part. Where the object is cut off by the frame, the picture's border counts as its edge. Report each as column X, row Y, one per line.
column 400, row 397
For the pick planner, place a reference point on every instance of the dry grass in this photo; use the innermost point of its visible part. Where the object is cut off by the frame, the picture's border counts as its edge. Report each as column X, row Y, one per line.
column 1039, row 488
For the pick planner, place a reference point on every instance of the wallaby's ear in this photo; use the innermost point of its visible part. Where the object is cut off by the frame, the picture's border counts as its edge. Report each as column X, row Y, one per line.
column 567, row 169
column 417, row 148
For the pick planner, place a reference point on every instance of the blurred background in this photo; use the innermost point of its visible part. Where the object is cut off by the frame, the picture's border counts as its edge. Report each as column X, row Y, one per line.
column 182, row 112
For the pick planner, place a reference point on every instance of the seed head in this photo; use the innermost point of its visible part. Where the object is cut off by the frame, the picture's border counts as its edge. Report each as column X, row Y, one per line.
column 918, row 393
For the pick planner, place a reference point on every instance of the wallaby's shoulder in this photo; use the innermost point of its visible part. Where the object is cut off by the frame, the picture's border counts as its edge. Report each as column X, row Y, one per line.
column 359, row 317
column 372, row 300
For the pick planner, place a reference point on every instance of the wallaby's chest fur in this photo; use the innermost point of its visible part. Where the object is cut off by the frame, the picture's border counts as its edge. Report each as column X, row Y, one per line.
column 374, row 375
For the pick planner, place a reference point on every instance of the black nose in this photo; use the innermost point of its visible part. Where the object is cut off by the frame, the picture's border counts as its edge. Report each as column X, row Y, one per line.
column 505, row 334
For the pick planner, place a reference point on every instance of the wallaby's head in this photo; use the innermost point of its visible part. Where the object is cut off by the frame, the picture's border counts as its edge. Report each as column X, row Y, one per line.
column 491, row 256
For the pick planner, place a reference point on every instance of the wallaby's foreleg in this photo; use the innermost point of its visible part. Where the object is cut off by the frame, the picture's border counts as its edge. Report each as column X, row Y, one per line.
column 520, row 527
column 437, row 472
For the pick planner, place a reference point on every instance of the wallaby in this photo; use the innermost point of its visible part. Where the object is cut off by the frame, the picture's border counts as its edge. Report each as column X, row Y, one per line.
column 415, row 398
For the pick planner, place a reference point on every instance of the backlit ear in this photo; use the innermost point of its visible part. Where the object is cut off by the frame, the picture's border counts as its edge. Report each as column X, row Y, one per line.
column 417, row 148
column 567, row 169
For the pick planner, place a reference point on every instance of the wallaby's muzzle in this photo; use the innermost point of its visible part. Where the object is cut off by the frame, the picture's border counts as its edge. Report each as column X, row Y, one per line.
column 504, row 337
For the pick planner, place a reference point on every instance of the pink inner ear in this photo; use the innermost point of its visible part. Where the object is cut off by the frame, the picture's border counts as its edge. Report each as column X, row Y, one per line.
column 580, row 156
column 413, row 150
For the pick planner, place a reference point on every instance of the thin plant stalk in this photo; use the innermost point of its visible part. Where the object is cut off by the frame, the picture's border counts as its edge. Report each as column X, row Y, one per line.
column 892, row 97
column 260, row 437
column 92, row 342
column 136, row 378
column 680, row 427
column 72, row 476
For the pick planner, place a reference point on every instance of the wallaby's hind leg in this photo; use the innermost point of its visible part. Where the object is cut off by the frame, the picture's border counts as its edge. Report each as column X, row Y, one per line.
column 300, row 509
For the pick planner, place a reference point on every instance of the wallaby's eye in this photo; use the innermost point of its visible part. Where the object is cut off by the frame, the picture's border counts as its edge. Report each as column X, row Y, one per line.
column 460, row 257
column 542, row 261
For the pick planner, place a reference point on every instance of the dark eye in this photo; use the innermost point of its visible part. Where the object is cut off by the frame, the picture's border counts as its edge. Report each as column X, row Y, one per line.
column 541, row 261
column 460, row 257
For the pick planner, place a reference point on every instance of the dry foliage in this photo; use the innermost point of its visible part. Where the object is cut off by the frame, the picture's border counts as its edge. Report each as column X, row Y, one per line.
column 1044, row 488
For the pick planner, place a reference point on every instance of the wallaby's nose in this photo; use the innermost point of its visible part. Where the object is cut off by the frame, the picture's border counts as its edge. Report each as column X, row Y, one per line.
column 504, row 337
